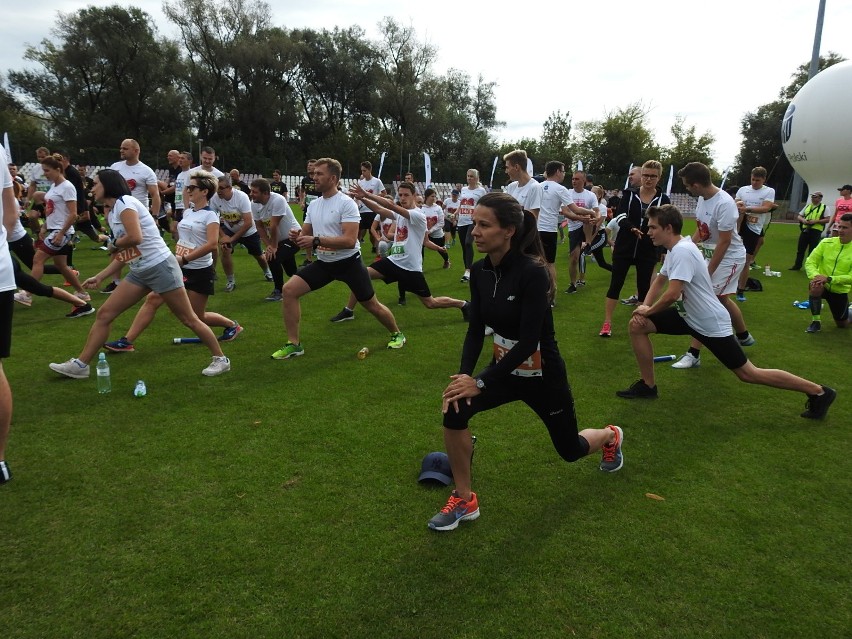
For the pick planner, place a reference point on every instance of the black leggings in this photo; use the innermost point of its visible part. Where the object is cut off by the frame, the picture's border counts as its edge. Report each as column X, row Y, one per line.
column 620, row 267
column 29, row 283
column 466, row 241
column 284, row 262
column 554, row 405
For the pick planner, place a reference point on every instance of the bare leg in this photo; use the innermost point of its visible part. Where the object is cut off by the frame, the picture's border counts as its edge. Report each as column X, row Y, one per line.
column 122, row 298
column 441, row 302
column 381, row 313
column 178, row 303
column 640, row 329
column 227, row 263
column 144, row 316
column 199, row 305
column 61, row 262
column 291, row 308
column 776, row 378
column 609, row 309
column 459, row 447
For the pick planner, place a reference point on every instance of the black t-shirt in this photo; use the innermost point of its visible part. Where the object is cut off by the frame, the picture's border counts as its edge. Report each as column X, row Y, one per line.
column 278, row 187
column 174, row 171
column 310, row 190
column 73, row 176
column 240, row 186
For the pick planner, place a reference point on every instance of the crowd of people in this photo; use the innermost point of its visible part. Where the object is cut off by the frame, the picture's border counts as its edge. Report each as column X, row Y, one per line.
column 683, row 284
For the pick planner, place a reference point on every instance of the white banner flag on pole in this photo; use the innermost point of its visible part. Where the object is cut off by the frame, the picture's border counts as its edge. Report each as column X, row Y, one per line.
column 671, row 177
column 579, row 165
column 428, row 163
column 627, row 181
column 381, row 164
column 529, row 166
column 493, row 168
column 7, row 147
column 724, row 178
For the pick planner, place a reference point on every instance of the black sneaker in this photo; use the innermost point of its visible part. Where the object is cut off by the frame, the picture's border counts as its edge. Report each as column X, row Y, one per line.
column 817, row 405
column 109, row 288
column 639, row 390
column 571, row 289
column 79, row 311
column 466, row 311
column 343, row 315
column 401, row 301
column 815, row 327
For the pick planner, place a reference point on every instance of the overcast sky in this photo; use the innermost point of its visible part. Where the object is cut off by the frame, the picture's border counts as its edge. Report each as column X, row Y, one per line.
column 709, row 61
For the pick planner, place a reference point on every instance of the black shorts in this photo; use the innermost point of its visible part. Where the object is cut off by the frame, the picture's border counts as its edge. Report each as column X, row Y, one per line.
column 178, row 215
column 199, row 280
column 367, row 220
column 448, row 226
column 726, row 349
column 575, row 239
column 252, row 242
column 350, row 271
column 548, row 241
column 7, row 301
column 838, row 303
column 413, row 281
column 750, row 239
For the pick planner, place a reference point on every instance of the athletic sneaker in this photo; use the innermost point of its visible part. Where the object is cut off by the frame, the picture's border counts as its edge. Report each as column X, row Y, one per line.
column 79, row 311
column 447, row 264
column 344, row 315
column 817, row 405
column 687, row 361
column 611, row 457
column 465, row 277
column 465, row 309
column 230, row 333
column 217, row 366
column 741, row 297
column 397, row 340
column 76, row 274
column 274, row 296
column 72, row 368
column 815, row 326
column 109, row 288
column 288, row 350
column 22, row 297
column 638, row 390
column 630, row 301
column 748, row 340
column 401, row 301
column 122, row 345
column 5, row 473
column 456, row 510
column 83, row 295
column 581, row 283
column 606, row 330
column 230, row 286
column 268, row 276
column 571, row 289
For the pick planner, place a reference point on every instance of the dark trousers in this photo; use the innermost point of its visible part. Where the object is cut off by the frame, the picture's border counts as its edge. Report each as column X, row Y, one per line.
column 808, row 240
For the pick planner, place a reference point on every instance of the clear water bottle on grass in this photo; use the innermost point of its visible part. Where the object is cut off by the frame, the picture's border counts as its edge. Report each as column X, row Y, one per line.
column 104, row 384
column 140, row 390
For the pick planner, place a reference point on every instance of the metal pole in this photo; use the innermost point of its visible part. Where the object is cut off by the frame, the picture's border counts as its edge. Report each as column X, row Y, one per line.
column 401, row 136
column 796, row 189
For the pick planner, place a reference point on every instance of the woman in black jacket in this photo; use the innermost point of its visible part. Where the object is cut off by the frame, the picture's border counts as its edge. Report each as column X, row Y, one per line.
column 633, row 247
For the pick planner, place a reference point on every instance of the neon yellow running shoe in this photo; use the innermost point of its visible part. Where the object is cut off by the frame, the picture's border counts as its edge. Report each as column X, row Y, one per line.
column 397, row 340
column 288, row 350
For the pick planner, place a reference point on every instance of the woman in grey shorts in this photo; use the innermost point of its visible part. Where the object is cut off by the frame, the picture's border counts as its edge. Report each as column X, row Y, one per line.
column 152, row 267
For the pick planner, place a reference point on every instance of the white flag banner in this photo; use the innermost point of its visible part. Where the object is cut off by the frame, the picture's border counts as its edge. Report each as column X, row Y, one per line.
column 7, row 147
column 724, row 178
column 493, row 168
column 579, row 165
column 428, row 164
column 529, row 166
column 627, row 181
column 381, row 164
column 671, row 177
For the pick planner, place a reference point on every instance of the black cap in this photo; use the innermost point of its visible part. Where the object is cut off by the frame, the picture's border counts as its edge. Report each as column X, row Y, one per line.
column 436, row 467
column 845, row 187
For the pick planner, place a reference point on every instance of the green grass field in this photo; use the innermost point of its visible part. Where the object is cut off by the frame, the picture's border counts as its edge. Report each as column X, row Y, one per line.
column 280, row 499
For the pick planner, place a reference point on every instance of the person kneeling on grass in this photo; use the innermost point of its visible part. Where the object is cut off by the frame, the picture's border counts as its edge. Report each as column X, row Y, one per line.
column 511, row 291
column 829, row 269
column 688, row 306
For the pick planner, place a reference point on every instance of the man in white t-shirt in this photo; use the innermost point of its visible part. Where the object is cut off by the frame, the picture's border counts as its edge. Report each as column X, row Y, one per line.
column 755, row 204
column 207, row 158
column 523, row 187
column 716, row 236
column 374, row 186
column 7, row 295
column 404, row 262
column 331, row 229
column 139, row 176
column 181, row 181
column 684, row 302
column 586, row 201
column 236, row 226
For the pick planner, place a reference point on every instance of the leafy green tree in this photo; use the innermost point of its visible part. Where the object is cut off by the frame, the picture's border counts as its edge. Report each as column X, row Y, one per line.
column 555, row 140
column 688, row 147
column 26, row 131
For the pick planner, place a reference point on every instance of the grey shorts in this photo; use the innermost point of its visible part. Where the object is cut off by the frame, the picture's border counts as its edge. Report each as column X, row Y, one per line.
column 163, row 277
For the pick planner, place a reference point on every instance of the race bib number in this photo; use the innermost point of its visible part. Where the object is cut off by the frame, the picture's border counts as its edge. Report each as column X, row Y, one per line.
column 128, row 255
column 531, row 367
column 182, row 249
column 707, row 250
column 397, row 249
column 679, row 307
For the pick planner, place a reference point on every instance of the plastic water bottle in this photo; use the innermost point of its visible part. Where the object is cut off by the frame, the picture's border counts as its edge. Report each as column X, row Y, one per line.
column 140, row 390
column 362, row 354
column 104, row 384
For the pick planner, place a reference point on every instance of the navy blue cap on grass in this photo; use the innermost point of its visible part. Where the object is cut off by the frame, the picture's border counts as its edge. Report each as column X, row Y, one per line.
column 436, row 467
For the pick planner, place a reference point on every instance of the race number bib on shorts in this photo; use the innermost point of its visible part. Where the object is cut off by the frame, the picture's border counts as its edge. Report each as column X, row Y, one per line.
column 707, row 250
column 56, row 240
column 529, row 368
column 182, row 249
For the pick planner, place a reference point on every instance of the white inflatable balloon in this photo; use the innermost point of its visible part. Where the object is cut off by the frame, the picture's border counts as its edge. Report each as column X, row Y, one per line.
column 817, row 131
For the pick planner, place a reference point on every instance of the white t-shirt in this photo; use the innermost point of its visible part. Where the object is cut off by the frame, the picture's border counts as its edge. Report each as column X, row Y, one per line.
column 386, row 224
column 702, row 310
column 451, row 207
column 407, row 249
column 374, row 186
column 434, row 220
column 584, row 199
column 192, row 233
column 213, row 171
column 56, row 205
column 467, row 202
column 18, row 232
column 719, row 213
column 326, row 215
column 276, row 206
column 553, row 197
column 753, row 198
column 152, row 248
column 613, row 227
column 7, row 275
column 37, row 176
column 529, row 195
column 139, row 177
column 231, row 211
column 181, row 181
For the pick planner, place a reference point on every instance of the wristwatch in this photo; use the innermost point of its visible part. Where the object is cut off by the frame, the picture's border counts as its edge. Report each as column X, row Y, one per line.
column 480, row 384
column 316, row 241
